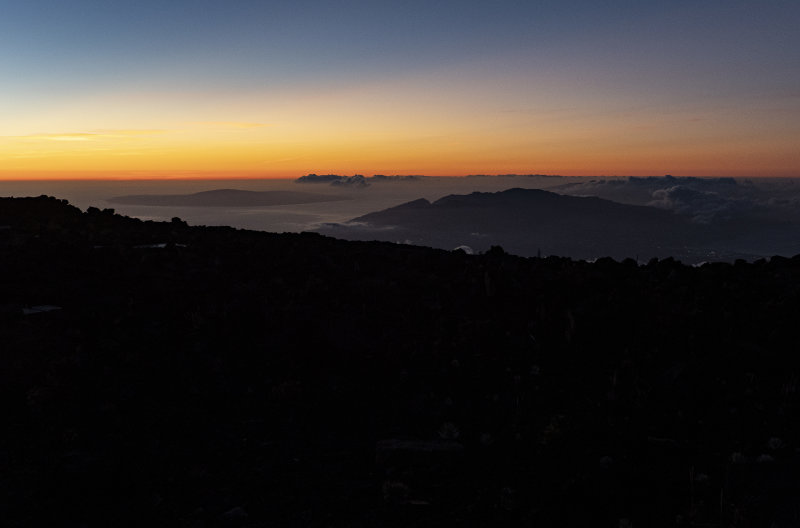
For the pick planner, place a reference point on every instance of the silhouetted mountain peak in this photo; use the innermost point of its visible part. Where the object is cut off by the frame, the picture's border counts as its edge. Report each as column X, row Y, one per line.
column 420, row 203
column 523, row 203
column 515, row 195
column 530, row 222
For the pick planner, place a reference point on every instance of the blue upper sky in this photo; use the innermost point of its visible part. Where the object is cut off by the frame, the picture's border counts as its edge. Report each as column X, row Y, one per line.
column 257, row 41
column 593, row 54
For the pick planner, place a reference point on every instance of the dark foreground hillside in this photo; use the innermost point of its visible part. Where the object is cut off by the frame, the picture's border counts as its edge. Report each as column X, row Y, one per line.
column 159, row 374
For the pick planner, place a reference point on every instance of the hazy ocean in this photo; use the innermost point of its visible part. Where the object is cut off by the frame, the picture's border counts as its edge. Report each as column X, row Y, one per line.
column 743, row 218
column 276, row 218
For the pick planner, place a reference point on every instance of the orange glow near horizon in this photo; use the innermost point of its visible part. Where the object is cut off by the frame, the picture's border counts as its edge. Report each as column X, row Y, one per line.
column 443, row 158
column 270, row 91
column 265, row 154
column 92, row 156
column 412, row 126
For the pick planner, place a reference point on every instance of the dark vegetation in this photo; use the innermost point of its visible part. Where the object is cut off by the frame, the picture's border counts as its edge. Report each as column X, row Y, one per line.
column 199, row 376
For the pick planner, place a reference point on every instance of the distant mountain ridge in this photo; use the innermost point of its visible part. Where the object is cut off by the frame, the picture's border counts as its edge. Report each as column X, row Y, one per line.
column 528, row 222
column 226, row 198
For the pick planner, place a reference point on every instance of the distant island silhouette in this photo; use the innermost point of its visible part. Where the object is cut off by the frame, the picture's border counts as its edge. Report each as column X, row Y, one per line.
column 226, row 198
column 357, row 180
column 531, row 222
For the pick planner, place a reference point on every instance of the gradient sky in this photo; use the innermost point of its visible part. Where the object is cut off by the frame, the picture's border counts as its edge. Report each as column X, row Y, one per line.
column 280, row 89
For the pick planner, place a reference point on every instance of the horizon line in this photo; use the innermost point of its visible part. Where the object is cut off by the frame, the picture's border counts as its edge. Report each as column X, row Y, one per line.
column 166, row 175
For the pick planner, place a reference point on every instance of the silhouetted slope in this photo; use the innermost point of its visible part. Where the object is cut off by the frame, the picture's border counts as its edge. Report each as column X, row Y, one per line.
column 529, row 221
column 198, row 376
column 226, row 198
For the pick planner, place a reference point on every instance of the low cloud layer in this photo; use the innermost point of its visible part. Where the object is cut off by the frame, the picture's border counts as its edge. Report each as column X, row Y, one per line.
column 703, row 200
column 701, row 206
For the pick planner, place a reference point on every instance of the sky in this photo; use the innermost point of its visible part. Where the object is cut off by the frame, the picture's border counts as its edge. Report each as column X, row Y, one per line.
column 115, row 88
